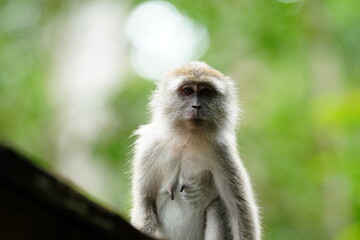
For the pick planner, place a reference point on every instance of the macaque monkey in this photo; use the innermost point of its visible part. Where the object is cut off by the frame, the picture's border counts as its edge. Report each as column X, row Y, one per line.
column 188, row 180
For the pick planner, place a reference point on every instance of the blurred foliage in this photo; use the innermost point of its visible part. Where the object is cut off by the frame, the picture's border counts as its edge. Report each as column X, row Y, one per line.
column 298, row 70
column 133, row 97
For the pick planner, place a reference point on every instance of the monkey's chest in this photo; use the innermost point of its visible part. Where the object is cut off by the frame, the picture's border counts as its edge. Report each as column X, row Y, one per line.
column 182, row 201
column 186, row 182
column 186, row 190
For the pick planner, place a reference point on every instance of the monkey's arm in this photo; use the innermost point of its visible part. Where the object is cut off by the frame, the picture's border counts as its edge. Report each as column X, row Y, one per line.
column 143, row 214
column 144, row 189
column 233, row 184
column 217, row 227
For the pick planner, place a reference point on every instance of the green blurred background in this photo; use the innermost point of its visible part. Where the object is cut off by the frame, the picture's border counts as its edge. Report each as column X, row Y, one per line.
column 73, row 89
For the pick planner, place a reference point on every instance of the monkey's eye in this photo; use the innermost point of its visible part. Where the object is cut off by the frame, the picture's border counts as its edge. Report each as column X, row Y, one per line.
column 187, row 90
column 206, row 92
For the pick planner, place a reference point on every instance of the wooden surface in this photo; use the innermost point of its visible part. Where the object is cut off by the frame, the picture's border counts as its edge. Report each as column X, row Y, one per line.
column 36, row 205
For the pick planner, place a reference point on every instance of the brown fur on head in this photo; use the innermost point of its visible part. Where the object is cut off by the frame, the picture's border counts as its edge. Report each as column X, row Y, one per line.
column 182, row 98
column 197, row 70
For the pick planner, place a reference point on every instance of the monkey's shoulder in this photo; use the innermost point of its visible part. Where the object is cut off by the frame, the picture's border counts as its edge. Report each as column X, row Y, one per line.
column 150, row 141
column 143, row 130
column 156, row 134
column 146, row 134
column 151, row 130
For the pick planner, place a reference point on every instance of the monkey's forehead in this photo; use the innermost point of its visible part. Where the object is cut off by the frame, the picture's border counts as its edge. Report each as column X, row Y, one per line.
column 174, row 82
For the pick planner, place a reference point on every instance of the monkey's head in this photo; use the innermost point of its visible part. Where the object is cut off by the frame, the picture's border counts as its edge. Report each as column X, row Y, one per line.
column 196, row 97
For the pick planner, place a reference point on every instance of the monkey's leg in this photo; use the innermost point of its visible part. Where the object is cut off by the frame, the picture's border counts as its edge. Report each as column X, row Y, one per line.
column 216, row 226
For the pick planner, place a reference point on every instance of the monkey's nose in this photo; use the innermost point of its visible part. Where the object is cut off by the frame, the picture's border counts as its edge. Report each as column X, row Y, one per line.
column 197, row 107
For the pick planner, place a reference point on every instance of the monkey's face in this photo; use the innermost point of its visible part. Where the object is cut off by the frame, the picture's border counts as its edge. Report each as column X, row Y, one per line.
column 195, row 97
column 197, row 105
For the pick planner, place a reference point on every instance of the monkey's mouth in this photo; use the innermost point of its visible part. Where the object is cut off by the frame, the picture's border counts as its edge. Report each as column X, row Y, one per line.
column 197, row 122
column 196, row 119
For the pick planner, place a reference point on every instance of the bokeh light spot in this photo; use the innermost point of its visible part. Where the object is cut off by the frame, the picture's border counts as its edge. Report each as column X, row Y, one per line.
column 162, row 39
